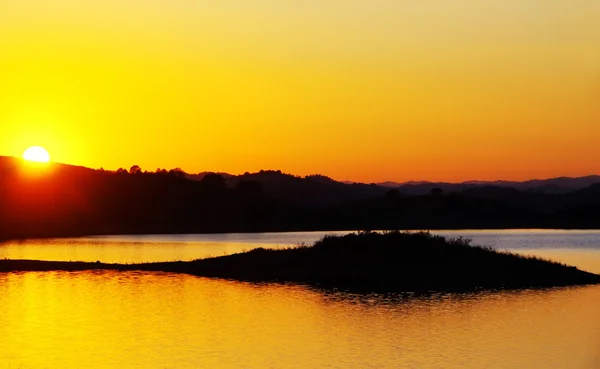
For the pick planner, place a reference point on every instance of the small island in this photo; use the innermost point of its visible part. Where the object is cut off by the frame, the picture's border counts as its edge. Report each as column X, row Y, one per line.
column 366, row 261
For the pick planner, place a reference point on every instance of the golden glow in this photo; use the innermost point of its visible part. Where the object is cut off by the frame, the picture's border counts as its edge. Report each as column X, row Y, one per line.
column 148, row 320
column 358, row 90
column 36, row 154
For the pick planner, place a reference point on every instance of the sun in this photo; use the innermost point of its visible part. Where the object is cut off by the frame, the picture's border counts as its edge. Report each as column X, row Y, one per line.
column 36, row 154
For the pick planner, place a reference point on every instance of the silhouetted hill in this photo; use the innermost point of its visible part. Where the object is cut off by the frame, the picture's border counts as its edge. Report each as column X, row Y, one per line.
column 65, row 200
column 314, row 191
column 550, row 186
column 368, row 262
column 201, row 175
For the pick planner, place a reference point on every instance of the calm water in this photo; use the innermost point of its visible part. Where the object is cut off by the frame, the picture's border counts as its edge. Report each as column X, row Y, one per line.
column 159, row 320
column 580, row 248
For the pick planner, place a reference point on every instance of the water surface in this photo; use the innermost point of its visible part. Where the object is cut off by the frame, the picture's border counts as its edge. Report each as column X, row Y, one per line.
column 579, row 247
column 158, row 320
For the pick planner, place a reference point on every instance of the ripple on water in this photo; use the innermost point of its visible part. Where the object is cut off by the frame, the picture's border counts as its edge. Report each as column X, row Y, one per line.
column 157, row 320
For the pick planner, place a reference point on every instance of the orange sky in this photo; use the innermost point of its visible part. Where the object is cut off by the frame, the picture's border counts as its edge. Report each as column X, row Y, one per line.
column 361, row 90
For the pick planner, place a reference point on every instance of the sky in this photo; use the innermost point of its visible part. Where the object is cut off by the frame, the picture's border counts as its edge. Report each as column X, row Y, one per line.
column 363, row 90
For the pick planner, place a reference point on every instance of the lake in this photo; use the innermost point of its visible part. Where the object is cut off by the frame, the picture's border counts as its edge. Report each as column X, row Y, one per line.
column 161, row 320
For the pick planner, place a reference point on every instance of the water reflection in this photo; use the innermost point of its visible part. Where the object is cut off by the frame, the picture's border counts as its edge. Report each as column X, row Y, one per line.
column 118, row 251
column 159, row 320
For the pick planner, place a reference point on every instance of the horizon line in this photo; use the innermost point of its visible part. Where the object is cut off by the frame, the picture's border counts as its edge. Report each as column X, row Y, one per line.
column 345, row 181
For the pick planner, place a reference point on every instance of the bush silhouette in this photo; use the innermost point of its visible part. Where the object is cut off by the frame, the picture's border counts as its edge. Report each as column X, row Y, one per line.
column 369, row 262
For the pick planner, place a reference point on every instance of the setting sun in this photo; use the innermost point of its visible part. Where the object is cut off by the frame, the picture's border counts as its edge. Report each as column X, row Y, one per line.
column 37, row 154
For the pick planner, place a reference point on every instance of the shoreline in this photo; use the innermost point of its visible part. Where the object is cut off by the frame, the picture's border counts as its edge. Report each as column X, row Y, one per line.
column 269, row 231
column 366, row 261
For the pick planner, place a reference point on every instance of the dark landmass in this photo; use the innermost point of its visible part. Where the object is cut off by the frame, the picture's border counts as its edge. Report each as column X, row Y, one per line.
column 368, row 262
column 560, row 185
column 200, row 176
column 62, row 200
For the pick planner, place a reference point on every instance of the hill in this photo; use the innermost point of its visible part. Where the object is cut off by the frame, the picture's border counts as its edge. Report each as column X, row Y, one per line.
column 315, row 190
column 549, row 186
column 63, row 200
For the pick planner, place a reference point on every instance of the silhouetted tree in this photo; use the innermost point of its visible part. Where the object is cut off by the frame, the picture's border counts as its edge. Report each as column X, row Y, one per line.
column 177, row 172
column 319, row 177
column 135, row 169
column 213, row 182
column 122, row 171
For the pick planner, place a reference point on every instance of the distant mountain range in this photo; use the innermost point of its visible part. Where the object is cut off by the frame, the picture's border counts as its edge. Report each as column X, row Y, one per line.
column 314, row 190
column 551, row 186
column 557, row 185
column 308, row 188
column 65, row 200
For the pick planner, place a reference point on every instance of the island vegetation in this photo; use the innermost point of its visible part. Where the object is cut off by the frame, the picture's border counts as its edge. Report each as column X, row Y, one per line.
column 367, row 261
